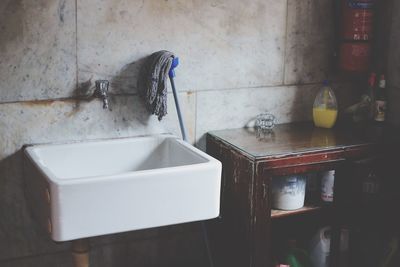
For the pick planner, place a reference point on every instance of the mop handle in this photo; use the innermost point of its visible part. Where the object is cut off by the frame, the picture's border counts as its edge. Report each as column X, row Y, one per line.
column 175, row 63
column 171, row 73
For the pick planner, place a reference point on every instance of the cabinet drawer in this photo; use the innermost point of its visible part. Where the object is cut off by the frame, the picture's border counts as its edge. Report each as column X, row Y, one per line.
column 300, row 168
column 360, row 152
column 302, row 159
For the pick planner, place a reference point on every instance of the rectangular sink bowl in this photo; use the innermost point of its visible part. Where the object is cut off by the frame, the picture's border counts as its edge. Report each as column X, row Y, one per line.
column 102, row 187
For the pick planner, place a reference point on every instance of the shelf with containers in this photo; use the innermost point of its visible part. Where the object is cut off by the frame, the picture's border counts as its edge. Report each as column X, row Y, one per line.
column 307, row 221
column 248, row 231
column 313, row 196
column 300, row 224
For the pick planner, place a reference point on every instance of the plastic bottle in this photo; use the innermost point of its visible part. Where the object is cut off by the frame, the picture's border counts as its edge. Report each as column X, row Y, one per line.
column 325, row 107
column 296, row 257
column 320, row 247
column 391, row 254
column 327, row 185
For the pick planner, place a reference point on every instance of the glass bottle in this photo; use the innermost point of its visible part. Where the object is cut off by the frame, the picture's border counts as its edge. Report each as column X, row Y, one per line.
column 380, row 101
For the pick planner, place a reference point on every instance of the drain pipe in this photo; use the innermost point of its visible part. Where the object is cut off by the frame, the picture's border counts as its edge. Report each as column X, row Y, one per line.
column 80, row 252
column 171, row 74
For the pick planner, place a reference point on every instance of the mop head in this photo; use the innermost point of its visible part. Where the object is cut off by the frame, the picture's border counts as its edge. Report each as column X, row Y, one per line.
column 152, row 82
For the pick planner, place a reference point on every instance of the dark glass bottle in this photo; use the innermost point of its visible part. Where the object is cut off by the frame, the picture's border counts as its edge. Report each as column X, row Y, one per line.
column 380, row 101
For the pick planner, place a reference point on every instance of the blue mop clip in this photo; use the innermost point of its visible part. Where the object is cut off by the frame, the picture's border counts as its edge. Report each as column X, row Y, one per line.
column 175, row 63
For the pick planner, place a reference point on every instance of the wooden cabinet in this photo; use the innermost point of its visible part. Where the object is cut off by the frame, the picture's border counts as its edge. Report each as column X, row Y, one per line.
column 245, row 234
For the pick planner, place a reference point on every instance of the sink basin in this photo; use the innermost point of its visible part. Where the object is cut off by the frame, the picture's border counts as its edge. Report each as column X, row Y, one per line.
column 102, row 187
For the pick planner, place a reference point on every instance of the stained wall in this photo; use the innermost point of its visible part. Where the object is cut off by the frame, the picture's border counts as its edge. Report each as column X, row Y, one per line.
column 238, row 59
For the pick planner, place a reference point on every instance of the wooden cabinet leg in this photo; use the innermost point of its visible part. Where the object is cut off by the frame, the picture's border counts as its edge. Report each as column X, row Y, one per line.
column 80, row 252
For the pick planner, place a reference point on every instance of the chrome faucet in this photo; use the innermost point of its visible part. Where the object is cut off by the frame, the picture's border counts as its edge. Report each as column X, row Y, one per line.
column 102, row 91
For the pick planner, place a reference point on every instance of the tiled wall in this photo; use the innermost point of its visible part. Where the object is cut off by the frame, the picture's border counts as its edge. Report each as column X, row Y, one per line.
column 238, row 58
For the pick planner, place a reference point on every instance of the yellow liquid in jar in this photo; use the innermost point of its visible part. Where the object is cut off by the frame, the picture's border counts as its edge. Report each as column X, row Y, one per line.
column 324, row 118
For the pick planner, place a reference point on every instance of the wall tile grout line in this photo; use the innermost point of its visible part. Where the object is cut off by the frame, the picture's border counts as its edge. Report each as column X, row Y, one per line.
column 195, row 117
column 72, row 98
column 76, row 45
column 285, row 43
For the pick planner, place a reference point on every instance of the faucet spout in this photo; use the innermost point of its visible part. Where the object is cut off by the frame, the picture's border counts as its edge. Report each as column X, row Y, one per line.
column 105, row 102
column 102, row 92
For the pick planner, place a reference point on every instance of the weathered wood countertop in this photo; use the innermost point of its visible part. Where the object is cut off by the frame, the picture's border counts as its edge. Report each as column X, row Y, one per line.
column 297, row 138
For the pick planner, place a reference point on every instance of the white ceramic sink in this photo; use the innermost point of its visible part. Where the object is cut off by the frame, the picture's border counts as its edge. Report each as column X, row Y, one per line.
column 95, row 188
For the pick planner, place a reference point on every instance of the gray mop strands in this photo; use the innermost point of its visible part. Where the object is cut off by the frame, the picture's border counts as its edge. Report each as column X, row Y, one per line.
column 152, row 82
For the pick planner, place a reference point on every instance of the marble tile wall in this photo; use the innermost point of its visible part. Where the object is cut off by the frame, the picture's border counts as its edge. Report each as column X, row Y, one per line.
column 309, row 39
column 37, row 49
column 245, row 39
column 238, row 58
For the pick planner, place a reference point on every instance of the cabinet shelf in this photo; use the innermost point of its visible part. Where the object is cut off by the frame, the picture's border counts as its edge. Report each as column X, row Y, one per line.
column 276, row 214
column 249, row 233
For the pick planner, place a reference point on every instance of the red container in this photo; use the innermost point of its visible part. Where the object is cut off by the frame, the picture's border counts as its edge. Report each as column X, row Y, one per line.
column 356, row 34
column 355, row 56
column 357, row 20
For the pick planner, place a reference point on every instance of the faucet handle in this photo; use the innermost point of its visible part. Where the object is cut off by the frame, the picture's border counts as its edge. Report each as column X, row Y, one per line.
column 102, row 85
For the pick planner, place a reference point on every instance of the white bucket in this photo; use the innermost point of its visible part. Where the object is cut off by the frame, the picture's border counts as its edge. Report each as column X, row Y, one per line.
column 288, row 192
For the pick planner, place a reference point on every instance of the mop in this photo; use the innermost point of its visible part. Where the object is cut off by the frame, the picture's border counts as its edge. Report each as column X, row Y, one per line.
column 152, row 84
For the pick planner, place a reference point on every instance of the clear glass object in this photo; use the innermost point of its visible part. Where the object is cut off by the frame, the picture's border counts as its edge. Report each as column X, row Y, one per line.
column 325, row 107
column 265, row 121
